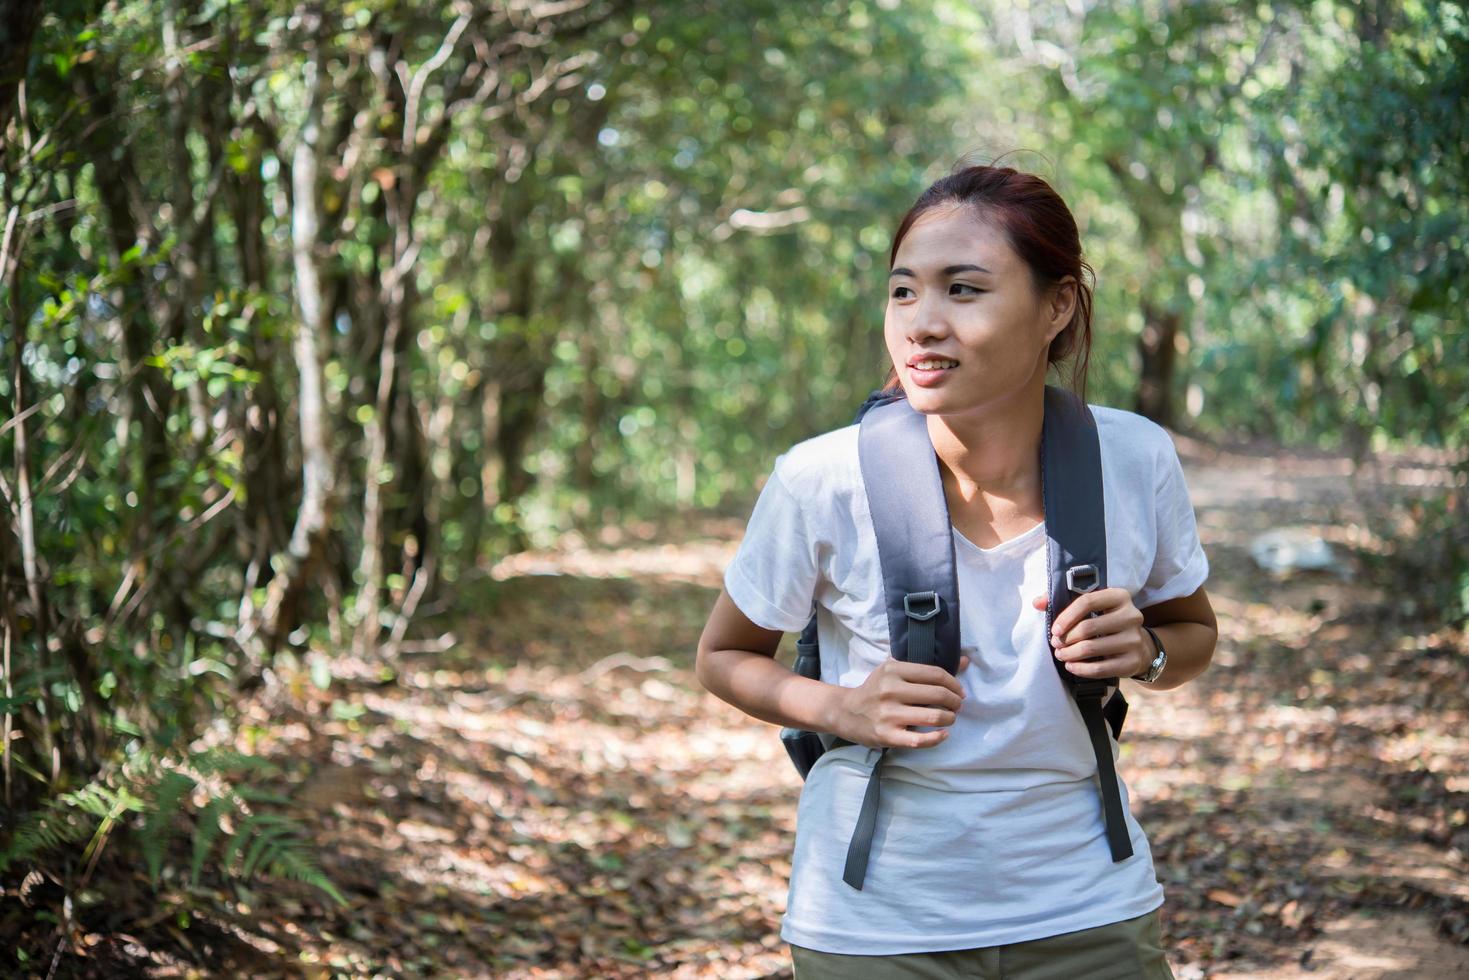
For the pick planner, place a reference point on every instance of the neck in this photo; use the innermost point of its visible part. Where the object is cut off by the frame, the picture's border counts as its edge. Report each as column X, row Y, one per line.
column 994, row 449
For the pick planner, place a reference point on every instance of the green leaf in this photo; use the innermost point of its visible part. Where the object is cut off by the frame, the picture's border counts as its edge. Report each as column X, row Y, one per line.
column 205, row 834
column 158, row 827
column 8, row 705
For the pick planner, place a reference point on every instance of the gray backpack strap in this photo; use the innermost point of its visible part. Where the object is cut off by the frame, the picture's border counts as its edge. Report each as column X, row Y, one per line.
column 915, row 549
column 805, row 747
column 915, row 540
column 1076, row 562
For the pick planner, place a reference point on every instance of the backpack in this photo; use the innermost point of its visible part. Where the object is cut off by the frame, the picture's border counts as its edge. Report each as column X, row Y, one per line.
column 916, row 552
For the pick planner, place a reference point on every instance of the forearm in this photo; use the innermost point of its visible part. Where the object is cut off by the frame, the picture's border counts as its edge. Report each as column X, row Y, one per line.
column 1190, row 647
column 764, row 688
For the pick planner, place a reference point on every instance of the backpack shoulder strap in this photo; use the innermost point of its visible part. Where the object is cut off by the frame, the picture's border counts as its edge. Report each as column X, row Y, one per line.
column 806, row 747
column 915, row 550
column 915, row 539
column 808, row 652
column 1076, row 563
column 1076, row 529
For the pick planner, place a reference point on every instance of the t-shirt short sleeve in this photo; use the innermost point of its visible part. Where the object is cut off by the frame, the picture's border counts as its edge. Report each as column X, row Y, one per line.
column 1180, row 565
column 773, row 576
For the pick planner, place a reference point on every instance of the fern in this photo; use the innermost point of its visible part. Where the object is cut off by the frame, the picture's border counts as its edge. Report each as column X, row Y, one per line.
column 105, row 804
column 204, row 834
column 63, row 821
column 251, row 839
column 237, row 840
column 293, row 860
column 161, row 819
column 48, row 829
column 265, row 845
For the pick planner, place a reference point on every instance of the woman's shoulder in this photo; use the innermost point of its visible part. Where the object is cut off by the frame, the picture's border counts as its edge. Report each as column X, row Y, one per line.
column 821, row 466
column 1120, row 429
column 1134, row 447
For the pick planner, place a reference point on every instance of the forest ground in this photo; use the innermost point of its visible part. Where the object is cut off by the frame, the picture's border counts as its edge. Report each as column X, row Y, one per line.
column 555, row 796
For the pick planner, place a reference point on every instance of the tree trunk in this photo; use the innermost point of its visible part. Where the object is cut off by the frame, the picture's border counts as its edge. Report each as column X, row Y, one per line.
column 1157, row 349
column 522, row 393
column 280, row 611
column 268, row 485
column 18, row 22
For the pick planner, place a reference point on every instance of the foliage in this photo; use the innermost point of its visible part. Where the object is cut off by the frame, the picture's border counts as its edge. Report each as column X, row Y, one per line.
column 232, row 817
column 310, row 312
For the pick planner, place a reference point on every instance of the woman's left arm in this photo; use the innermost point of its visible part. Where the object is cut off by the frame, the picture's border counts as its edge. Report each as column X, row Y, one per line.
column 1114, row 644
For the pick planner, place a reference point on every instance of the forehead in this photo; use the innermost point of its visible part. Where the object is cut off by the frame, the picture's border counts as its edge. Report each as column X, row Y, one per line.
column 950, row 235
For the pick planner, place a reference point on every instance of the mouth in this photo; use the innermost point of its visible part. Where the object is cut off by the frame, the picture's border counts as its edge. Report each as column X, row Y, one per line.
column 933, row 364
column 931, row 371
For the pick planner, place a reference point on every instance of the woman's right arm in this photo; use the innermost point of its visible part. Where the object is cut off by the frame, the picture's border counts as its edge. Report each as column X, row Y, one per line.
column 736, row 663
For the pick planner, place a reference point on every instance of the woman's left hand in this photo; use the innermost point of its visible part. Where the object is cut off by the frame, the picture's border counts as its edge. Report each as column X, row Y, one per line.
column 1110, row 644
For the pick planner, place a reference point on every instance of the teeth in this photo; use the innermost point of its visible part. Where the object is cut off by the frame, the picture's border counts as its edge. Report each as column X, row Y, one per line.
column 935, row 365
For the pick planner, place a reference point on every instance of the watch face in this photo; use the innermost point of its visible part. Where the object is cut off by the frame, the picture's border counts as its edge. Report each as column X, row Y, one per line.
column 1156, row 668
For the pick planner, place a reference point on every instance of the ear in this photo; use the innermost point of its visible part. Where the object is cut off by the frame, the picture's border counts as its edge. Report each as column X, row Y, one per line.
column 1060, row 306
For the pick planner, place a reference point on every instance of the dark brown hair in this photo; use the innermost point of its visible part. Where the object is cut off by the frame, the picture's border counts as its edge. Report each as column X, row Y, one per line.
column 1039, row 227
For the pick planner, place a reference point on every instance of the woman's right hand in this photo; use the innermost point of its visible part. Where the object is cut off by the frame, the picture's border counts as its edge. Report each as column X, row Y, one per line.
column 895, row 696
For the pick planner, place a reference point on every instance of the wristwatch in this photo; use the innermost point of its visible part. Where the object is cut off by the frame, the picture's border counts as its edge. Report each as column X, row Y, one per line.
column 1156, row 667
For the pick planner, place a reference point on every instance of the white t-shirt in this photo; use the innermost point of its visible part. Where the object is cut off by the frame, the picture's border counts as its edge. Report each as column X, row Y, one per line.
column 996, row 834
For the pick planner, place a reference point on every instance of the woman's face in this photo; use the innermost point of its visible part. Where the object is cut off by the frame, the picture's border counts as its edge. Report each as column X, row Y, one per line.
column 959, row 292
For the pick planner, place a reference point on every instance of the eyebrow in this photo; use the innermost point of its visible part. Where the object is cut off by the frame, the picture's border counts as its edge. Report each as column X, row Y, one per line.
column 949, row 270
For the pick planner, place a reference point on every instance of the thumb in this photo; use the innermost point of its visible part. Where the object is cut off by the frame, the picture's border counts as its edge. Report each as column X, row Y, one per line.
column 1040, row 602
column 963, row 660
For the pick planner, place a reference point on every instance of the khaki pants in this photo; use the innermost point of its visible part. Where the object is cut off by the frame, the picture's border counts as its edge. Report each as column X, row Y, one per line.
column 1127, row 950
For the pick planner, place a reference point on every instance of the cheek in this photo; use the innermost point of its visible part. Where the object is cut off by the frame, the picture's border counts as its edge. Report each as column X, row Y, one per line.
column 892, row 335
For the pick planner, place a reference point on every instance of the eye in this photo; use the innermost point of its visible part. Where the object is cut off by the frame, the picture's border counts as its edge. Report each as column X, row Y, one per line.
column 899, row 289
column 964, row 285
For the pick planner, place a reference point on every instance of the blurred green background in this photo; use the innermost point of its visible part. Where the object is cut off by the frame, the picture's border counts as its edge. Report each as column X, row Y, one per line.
column 311, row 311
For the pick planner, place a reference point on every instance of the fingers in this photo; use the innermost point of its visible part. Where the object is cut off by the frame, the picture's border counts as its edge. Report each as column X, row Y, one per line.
column 927, row 716
column 1111, row 620
column 919, row 740
column 1090, row 649
column 1105, row 669
column 943, row 697
column 901, row 733
column 930, row 674
column 1104, row 601
column 917, row 696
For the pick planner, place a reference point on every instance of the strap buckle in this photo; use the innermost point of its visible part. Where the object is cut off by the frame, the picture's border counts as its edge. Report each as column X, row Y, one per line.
column 924, row 614
column 1082, row 578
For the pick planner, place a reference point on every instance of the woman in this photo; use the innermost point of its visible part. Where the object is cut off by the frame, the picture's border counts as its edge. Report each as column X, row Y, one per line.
column 989, row 856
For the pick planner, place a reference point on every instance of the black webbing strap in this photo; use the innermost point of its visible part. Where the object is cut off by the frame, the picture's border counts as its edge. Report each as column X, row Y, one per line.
column 922, row 609
column 861, row 845
column 1089, row 697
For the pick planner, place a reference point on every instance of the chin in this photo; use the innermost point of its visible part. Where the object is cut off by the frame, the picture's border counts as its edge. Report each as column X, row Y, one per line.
column 954, row 399
column 931, row 402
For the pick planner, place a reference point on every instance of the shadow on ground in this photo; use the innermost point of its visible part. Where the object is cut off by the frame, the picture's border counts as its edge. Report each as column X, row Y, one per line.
column 555, row 796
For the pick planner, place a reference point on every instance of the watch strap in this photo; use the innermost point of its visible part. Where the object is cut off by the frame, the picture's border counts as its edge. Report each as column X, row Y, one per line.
column 1155, row 668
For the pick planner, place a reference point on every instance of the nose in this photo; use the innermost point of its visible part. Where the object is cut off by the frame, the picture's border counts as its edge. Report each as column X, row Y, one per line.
column 929, row 321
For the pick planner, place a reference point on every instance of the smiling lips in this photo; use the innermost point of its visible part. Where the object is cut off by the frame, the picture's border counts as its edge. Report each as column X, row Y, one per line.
column 927, row 371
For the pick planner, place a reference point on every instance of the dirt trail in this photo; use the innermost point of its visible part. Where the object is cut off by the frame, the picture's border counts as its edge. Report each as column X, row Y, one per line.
column 555, row 796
